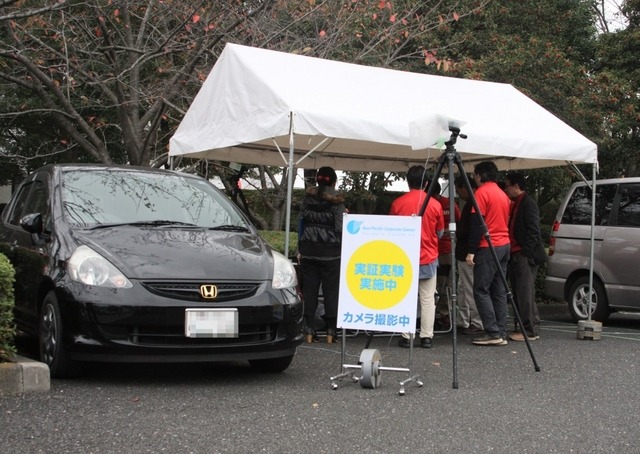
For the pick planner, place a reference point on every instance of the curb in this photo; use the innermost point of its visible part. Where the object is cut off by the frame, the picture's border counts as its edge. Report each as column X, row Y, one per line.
column 23, row 375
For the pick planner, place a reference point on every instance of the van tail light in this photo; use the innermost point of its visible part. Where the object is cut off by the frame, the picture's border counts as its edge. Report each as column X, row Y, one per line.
column 552, row 239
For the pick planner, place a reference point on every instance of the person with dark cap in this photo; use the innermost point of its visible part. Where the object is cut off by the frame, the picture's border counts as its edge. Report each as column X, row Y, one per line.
column 410, row 204
column 469, row 321
column 488, row 287
column 319, row 249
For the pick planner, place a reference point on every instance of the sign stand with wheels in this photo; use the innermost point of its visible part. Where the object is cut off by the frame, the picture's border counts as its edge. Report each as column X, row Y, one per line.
column 378, row 290
column 370, row 365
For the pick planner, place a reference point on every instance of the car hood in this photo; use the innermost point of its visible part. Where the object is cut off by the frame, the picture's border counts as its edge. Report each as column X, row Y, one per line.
column 170, row 253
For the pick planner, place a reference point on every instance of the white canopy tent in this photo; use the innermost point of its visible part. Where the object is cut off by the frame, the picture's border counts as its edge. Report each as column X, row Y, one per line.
column 256, row 103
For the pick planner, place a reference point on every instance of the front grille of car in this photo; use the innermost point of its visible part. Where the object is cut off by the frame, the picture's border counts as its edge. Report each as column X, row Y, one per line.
column 190, row 291
column 174, row 336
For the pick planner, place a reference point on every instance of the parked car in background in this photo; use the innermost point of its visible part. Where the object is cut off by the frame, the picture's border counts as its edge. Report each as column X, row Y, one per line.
column 616, row 274
column 129, row 264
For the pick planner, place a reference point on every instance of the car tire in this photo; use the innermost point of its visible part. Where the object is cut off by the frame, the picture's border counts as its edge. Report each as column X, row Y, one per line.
column 579, row 301
column 50, row 334
column 271, row 365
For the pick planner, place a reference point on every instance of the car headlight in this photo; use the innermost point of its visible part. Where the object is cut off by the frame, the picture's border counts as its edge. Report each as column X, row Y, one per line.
column 89, row 267
column 284, row 274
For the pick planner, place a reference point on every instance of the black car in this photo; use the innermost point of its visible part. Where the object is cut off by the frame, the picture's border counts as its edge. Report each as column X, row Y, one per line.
column 127, row 264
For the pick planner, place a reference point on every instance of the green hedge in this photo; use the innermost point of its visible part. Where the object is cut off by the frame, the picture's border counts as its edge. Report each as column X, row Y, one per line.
column 7, row 327
column 276, row 240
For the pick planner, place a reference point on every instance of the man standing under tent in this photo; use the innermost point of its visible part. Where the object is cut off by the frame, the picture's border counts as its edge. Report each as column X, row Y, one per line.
column 410, row 204
column 488, row 287
column 468, row 321
column 527, row 252
column 443, row 308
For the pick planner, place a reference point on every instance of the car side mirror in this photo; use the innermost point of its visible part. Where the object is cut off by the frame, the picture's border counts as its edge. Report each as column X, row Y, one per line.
column 32, row 223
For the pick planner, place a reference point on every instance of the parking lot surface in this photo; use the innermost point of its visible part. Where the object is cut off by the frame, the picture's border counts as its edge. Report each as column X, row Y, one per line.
column 583, row 399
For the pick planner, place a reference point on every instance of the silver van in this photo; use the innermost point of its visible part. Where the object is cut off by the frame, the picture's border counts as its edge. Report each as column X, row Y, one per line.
column 616, row 268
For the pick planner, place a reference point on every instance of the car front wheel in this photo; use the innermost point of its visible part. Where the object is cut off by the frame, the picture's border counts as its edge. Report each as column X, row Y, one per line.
column 52, row 352
column 579, row 300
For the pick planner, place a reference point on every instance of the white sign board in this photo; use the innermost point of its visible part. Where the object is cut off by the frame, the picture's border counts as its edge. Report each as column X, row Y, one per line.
column 379, row 273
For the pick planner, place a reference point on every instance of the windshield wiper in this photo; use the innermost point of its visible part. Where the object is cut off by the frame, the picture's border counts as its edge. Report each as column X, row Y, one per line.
column 143, row 223
column 230, row 228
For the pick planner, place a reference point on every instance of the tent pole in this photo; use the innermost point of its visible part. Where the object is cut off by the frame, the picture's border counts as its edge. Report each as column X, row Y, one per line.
column 289, row 186
column 592, row 239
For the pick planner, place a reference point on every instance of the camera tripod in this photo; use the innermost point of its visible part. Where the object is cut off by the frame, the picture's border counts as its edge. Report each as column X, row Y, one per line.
column 451, row 157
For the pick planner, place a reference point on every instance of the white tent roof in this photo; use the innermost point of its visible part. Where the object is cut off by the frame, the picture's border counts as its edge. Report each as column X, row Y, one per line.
column 257, row 102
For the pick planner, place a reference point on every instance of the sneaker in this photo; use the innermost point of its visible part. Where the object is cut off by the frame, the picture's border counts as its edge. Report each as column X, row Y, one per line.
column 488, row 339
column 519, row 337
column 404, row 342
column 426, row 342
column 471, row 330
column 504, row 342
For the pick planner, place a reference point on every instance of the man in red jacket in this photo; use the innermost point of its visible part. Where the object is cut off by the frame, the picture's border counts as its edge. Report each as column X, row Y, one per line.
column 488, row 287
column 443, row 308
column 410, row 204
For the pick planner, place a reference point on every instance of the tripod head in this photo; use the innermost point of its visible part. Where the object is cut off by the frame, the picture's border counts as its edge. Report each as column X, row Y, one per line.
column 455, row 132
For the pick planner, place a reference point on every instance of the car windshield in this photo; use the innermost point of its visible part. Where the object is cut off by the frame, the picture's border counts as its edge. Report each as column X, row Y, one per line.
column 116, row 197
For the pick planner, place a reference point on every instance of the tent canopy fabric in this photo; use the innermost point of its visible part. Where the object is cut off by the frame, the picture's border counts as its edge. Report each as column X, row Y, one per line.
column 263, row 107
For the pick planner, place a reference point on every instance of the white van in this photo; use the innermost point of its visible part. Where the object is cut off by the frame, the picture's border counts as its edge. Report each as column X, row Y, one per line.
column 616, row 271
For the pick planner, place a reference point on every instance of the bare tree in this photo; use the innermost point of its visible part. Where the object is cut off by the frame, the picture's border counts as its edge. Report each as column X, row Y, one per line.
column 110, row 81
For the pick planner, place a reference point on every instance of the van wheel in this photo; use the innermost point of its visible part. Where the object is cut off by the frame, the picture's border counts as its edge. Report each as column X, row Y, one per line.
column 579, row 300
column 272, row 365
column 50, row 330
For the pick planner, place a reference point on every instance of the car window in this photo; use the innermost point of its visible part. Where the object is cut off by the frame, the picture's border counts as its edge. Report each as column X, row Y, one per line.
column 39, row 202
column 111, row 196
column 21, row 201
column 578, row 210
column 629, row 206
column 33, row 198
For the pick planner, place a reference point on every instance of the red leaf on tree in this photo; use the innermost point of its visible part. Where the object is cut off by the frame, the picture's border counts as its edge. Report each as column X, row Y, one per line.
column 382, row 4
column 456, row 16
column 323, row 33
column 393, row 18
column 98, row 32
column 195, row 18
column 116, row 13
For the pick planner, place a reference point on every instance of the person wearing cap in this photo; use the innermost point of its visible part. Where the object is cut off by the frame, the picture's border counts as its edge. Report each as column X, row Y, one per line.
column 319, row 250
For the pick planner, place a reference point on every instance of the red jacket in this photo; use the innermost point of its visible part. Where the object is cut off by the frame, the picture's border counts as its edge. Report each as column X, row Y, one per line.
column 432, row 221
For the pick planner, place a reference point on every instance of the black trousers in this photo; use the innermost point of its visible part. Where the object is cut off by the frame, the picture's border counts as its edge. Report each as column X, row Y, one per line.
column 314, row 274
column 522, row 275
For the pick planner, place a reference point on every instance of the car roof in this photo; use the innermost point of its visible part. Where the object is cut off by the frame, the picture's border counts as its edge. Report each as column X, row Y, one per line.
column 610, row 181
column 51, row 168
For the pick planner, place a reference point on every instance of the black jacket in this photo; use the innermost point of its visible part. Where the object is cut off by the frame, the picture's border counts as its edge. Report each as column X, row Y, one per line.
column 463, row 228
column 321, row 223
column 526, row 230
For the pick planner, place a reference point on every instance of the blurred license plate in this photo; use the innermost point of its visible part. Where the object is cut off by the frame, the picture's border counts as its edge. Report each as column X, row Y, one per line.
column 211, row 323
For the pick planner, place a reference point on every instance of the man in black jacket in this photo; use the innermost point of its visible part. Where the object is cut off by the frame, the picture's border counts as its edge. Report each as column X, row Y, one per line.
column 469, row 321
column 527, row 252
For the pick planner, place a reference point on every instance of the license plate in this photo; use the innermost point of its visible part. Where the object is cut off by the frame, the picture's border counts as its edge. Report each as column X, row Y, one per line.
column 211, row 323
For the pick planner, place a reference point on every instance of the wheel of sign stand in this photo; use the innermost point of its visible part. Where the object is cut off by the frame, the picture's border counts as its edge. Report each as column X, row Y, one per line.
column 370, row 363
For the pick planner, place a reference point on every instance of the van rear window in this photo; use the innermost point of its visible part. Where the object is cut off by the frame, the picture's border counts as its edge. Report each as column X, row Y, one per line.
column 578, row 209
column 629, row 208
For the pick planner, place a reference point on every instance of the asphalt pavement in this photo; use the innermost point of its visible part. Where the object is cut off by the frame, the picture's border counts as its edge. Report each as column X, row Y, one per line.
column 584, row 399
